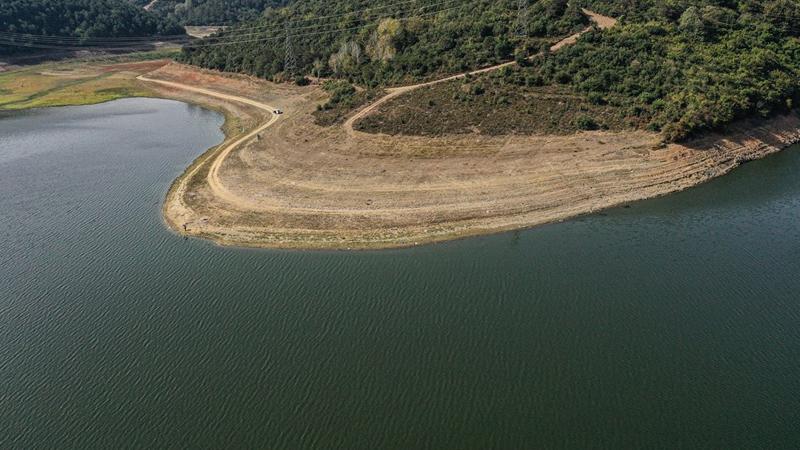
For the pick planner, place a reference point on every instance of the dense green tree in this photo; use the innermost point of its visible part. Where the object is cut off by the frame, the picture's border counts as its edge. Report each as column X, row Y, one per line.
column 380, row 42
column 686, row 66
column 213, row 12
column 78, row 19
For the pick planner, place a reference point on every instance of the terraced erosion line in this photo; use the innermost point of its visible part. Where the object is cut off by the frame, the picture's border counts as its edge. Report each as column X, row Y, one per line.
column 602, row 22
column 213, row 174
column 222, row 192
column 313, row 187
column 271, row 207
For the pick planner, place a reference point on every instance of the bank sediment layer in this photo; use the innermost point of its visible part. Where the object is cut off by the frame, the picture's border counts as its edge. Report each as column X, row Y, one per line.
column 298, row 185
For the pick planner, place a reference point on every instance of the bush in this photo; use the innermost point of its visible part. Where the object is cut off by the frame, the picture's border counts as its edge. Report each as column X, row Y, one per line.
column 596, row 98
column 563, row 77
column 521, row 57
column 584, row 122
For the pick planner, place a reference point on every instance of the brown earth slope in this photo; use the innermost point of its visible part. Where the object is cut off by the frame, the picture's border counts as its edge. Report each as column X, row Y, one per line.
column 295, row 184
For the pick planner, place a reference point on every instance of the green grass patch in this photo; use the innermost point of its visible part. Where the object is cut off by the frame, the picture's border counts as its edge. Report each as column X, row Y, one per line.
column 74, row 82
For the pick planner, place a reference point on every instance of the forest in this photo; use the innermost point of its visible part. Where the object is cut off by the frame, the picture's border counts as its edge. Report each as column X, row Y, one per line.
column 81, row 18
column 78, row 19
column 383, row 42
column 680, row 67
column 212, row 12
column 683, row 67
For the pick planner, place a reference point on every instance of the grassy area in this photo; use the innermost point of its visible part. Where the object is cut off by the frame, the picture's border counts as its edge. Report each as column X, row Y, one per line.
column 83, row 82
column 490, row 105
column 33, row 90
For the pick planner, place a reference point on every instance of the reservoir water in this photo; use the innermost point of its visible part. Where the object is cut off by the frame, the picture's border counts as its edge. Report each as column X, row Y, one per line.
column 672, row 323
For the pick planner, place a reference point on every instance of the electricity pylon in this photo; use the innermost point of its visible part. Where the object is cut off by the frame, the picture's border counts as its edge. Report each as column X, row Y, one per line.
column 522, row 18
column 290, row 63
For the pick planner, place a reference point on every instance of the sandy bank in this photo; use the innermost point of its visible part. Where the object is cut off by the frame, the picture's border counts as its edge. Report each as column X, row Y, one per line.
column 298, row 185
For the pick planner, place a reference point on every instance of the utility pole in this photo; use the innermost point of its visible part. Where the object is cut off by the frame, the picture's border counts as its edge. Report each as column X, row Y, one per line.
column 290, row 63
column 522, row 18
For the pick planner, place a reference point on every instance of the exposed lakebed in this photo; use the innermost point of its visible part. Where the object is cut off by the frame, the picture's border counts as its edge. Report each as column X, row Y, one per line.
column 675, row 322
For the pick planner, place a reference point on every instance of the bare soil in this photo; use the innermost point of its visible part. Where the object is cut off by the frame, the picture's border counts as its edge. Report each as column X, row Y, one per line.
column 295, row 184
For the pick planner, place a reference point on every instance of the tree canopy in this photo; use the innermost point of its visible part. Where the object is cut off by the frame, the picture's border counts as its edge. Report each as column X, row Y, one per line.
column 677, row 66
column 80, row 19
column 383, row 42
column 213, row 12
column 688, row 66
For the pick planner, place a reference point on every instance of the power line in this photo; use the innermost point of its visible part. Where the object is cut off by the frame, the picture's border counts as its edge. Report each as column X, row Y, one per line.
column 237, row 29
column 522, row 18
column 318, row 33
column 6, row 41
column 361, row 11
column 85, row 42
column 301, row 35
column 522, row 15
column 233, row 34
column 350, row 13
column 89, row 38
column 290, row 61
column 389, row 15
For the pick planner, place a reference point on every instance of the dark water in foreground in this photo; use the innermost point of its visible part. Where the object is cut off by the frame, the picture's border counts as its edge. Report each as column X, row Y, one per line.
column 675, row 323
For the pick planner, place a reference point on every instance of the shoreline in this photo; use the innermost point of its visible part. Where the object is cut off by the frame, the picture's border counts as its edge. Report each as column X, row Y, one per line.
column 722, row 152
column 256, row 223
column 300, row 244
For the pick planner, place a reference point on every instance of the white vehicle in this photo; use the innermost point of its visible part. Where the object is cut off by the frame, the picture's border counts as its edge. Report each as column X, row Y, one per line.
column 277, row 111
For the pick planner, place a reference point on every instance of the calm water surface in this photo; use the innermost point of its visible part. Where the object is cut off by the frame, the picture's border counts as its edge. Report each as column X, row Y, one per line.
column 674, row 323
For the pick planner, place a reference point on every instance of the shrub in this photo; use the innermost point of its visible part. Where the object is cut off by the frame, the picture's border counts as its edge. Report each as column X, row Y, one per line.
column 584, row 122
column 596, row 98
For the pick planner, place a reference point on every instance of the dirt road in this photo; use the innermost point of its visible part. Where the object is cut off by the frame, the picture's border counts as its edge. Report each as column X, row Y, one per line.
column 602, row 22
column 216, row 184
column 213, row 175
column 307, row 186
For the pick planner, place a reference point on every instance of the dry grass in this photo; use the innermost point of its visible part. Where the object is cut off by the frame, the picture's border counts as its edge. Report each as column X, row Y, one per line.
column 491, row 105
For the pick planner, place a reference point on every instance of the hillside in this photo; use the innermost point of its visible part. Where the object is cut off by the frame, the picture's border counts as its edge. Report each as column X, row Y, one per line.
column 687, row 67
column 383, row 42
column 284, row 181
column 212, row 12
column 76, row 21
column 678, row 67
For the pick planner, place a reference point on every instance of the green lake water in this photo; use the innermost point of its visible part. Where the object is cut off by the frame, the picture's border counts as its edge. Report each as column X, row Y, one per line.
column 673, row 323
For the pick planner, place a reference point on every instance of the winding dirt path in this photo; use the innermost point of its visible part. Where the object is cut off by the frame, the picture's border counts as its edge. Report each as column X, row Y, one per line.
column 307, row 186
column 218, row 187
column 602, row 22
column 213, row 174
